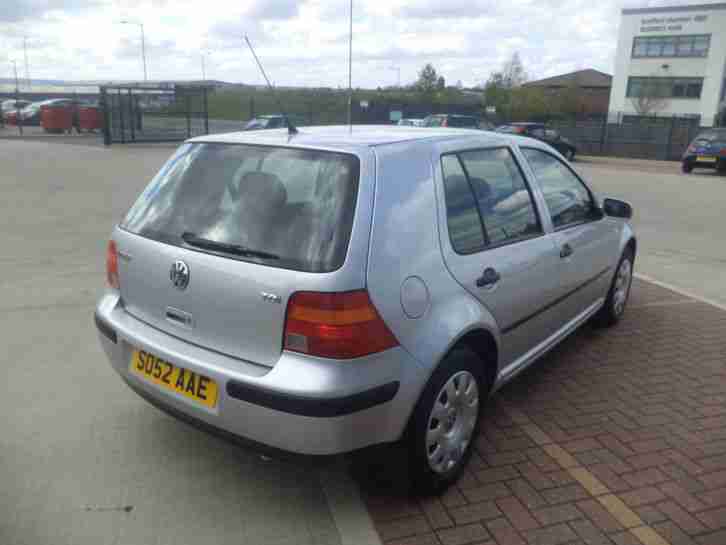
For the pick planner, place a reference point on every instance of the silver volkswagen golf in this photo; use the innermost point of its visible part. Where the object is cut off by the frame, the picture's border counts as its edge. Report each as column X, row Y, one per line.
column 335, row 289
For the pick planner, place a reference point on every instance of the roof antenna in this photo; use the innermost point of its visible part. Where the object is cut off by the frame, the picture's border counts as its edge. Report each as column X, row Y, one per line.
column 350, row 71
column 291, row 129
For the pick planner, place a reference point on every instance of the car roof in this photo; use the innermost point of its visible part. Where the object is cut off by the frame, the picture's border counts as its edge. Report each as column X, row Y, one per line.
column 344, row 137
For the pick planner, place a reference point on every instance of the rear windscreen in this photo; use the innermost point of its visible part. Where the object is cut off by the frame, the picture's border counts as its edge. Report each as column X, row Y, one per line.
column 710, row 137
column 294, row 205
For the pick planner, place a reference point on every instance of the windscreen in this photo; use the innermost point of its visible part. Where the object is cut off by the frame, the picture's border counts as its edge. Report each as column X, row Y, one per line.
column 281, row 207
column 463, row 122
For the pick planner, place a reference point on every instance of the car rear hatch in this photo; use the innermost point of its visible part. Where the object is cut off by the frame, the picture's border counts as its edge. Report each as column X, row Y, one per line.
column 225, row 233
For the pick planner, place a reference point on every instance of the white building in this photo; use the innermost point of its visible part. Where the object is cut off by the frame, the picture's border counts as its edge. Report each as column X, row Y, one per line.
column 671, row 61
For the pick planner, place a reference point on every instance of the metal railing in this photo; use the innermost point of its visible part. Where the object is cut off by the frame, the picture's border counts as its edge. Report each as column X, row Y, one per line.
column 142, row 113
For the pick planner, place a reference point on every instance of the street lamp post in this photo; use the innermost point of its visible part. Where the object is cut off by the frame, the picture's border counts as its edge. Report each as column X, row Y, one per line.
column 25, row 55
column 15, row 70
column 18, row 120
column 143, row 42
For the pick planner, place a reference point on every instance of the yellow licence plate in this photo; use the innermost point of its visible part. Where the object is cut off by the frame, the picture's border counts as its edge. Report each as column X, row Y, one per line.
column 176, row 379
column 704, row 159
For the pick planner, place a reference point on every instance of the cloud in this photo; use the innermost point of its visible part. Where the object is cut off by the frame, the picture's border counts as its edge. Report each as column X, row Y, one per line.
column 436, row 9
column 19, row 10
column 274, row 9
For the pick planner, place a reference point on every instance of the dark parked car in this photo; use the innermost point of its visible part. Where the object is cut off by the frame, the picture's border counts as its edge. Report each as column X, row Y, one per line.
column 708, row 150
column 540, row 132
column 453, row 121
column 275, row 121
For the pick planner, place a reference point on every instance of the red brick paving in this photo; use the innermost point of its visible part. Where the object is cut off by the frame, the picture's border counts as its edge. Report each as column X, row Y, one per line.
column 641, row 406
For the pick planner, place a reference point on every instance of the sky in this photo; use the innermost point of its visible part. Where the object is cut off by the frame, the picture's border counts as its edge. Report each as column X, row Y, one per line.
column 305, row 42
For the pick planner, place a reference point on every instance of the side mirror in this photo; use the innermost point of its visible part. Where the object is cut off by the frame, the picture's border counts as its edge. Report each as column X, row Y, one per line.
column 617, row 208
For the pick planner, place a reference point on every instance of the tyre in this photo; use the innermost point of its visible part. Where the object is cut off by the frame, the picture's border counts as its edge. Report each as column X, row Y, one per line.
column 617, row 299
column 686, row 168
column 445, row 422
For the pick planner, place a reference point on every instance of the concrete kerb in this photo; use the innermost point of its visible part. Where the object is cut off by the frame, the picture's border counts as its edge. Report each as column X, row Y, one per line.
column 349, row 513
column 679, row 291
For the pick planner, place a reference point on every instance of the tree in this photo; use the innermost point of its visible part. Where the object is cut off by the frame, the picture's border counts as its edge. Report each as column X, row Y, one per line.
column 648, row 96
column 428, row 79
column 511, row 76
column 513, row 73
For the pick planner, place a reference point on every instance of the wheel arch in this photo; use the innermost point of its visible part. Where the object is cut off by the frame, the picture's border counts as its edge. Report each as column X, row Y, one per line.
column 483, row 343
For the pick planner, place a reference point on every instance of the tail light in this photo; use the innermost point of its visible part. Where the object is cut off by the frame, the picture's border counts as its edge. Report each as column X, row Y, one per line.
column 112, row 265
column 335, row 325
column 722, row 153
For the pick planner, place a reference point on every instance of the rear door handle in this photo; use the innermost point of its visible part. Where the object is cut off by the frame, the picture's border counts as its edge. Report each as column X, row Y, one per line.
column 488, row 278
column 566, row 251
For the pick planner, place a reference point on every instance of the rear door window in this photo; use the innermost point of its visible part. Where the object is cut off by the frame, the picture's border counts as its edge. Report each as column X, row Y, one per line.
column 295, row 205
column 504, row 200
column 488, row 201
column 462, row 216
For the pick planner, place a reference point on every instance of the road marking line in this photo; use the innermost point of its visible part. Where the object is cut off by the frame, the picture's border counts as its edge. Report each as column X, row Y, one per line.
column 668, row 303
column 561, row 456
column 612, row 503
column 679, row 291
column 648, row 536
column 537, row 435
column 624, row 515
column 591, row 483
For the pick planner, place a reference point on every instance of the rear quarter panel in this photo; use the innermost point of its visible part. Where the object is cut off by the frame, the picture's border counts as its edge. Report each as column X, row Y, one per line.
column 405, row 243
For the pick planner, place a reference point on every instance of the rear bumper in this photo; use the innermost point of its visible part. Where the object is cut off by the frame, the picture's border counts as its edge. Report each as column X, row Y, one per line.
column 303, row 405
column 691, row 161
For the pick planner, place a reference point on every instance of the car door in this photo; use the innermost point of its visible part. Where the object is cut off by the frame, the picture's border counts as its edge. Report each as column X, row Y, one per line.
column 587, row 240
column 497, row 248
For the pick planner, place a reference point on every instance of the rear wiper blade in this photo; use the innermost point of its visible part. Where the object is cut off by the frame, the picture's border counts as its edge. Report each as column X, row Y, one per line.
column 236, row 249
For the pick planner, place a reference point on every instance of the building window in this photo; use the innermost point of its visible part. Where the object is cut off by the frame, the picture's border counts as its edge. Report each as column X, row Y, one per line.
column 664, row 87
column 696, row 45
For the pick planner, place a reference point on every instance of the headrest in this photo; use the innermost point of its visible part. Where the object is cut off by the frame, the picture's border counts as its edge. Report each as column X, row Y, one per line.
column 262, row 188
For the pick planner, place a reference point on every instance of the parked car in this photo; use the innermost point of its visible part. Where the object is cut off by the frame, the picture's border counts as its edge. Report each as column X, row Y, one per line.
column 31, row 114
column 410, row 122
column 13, row 105
column 541, row 132
column 335, row 289
column 708, row 150
column 9, row 110
column 452, row 120
column 276, row 121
